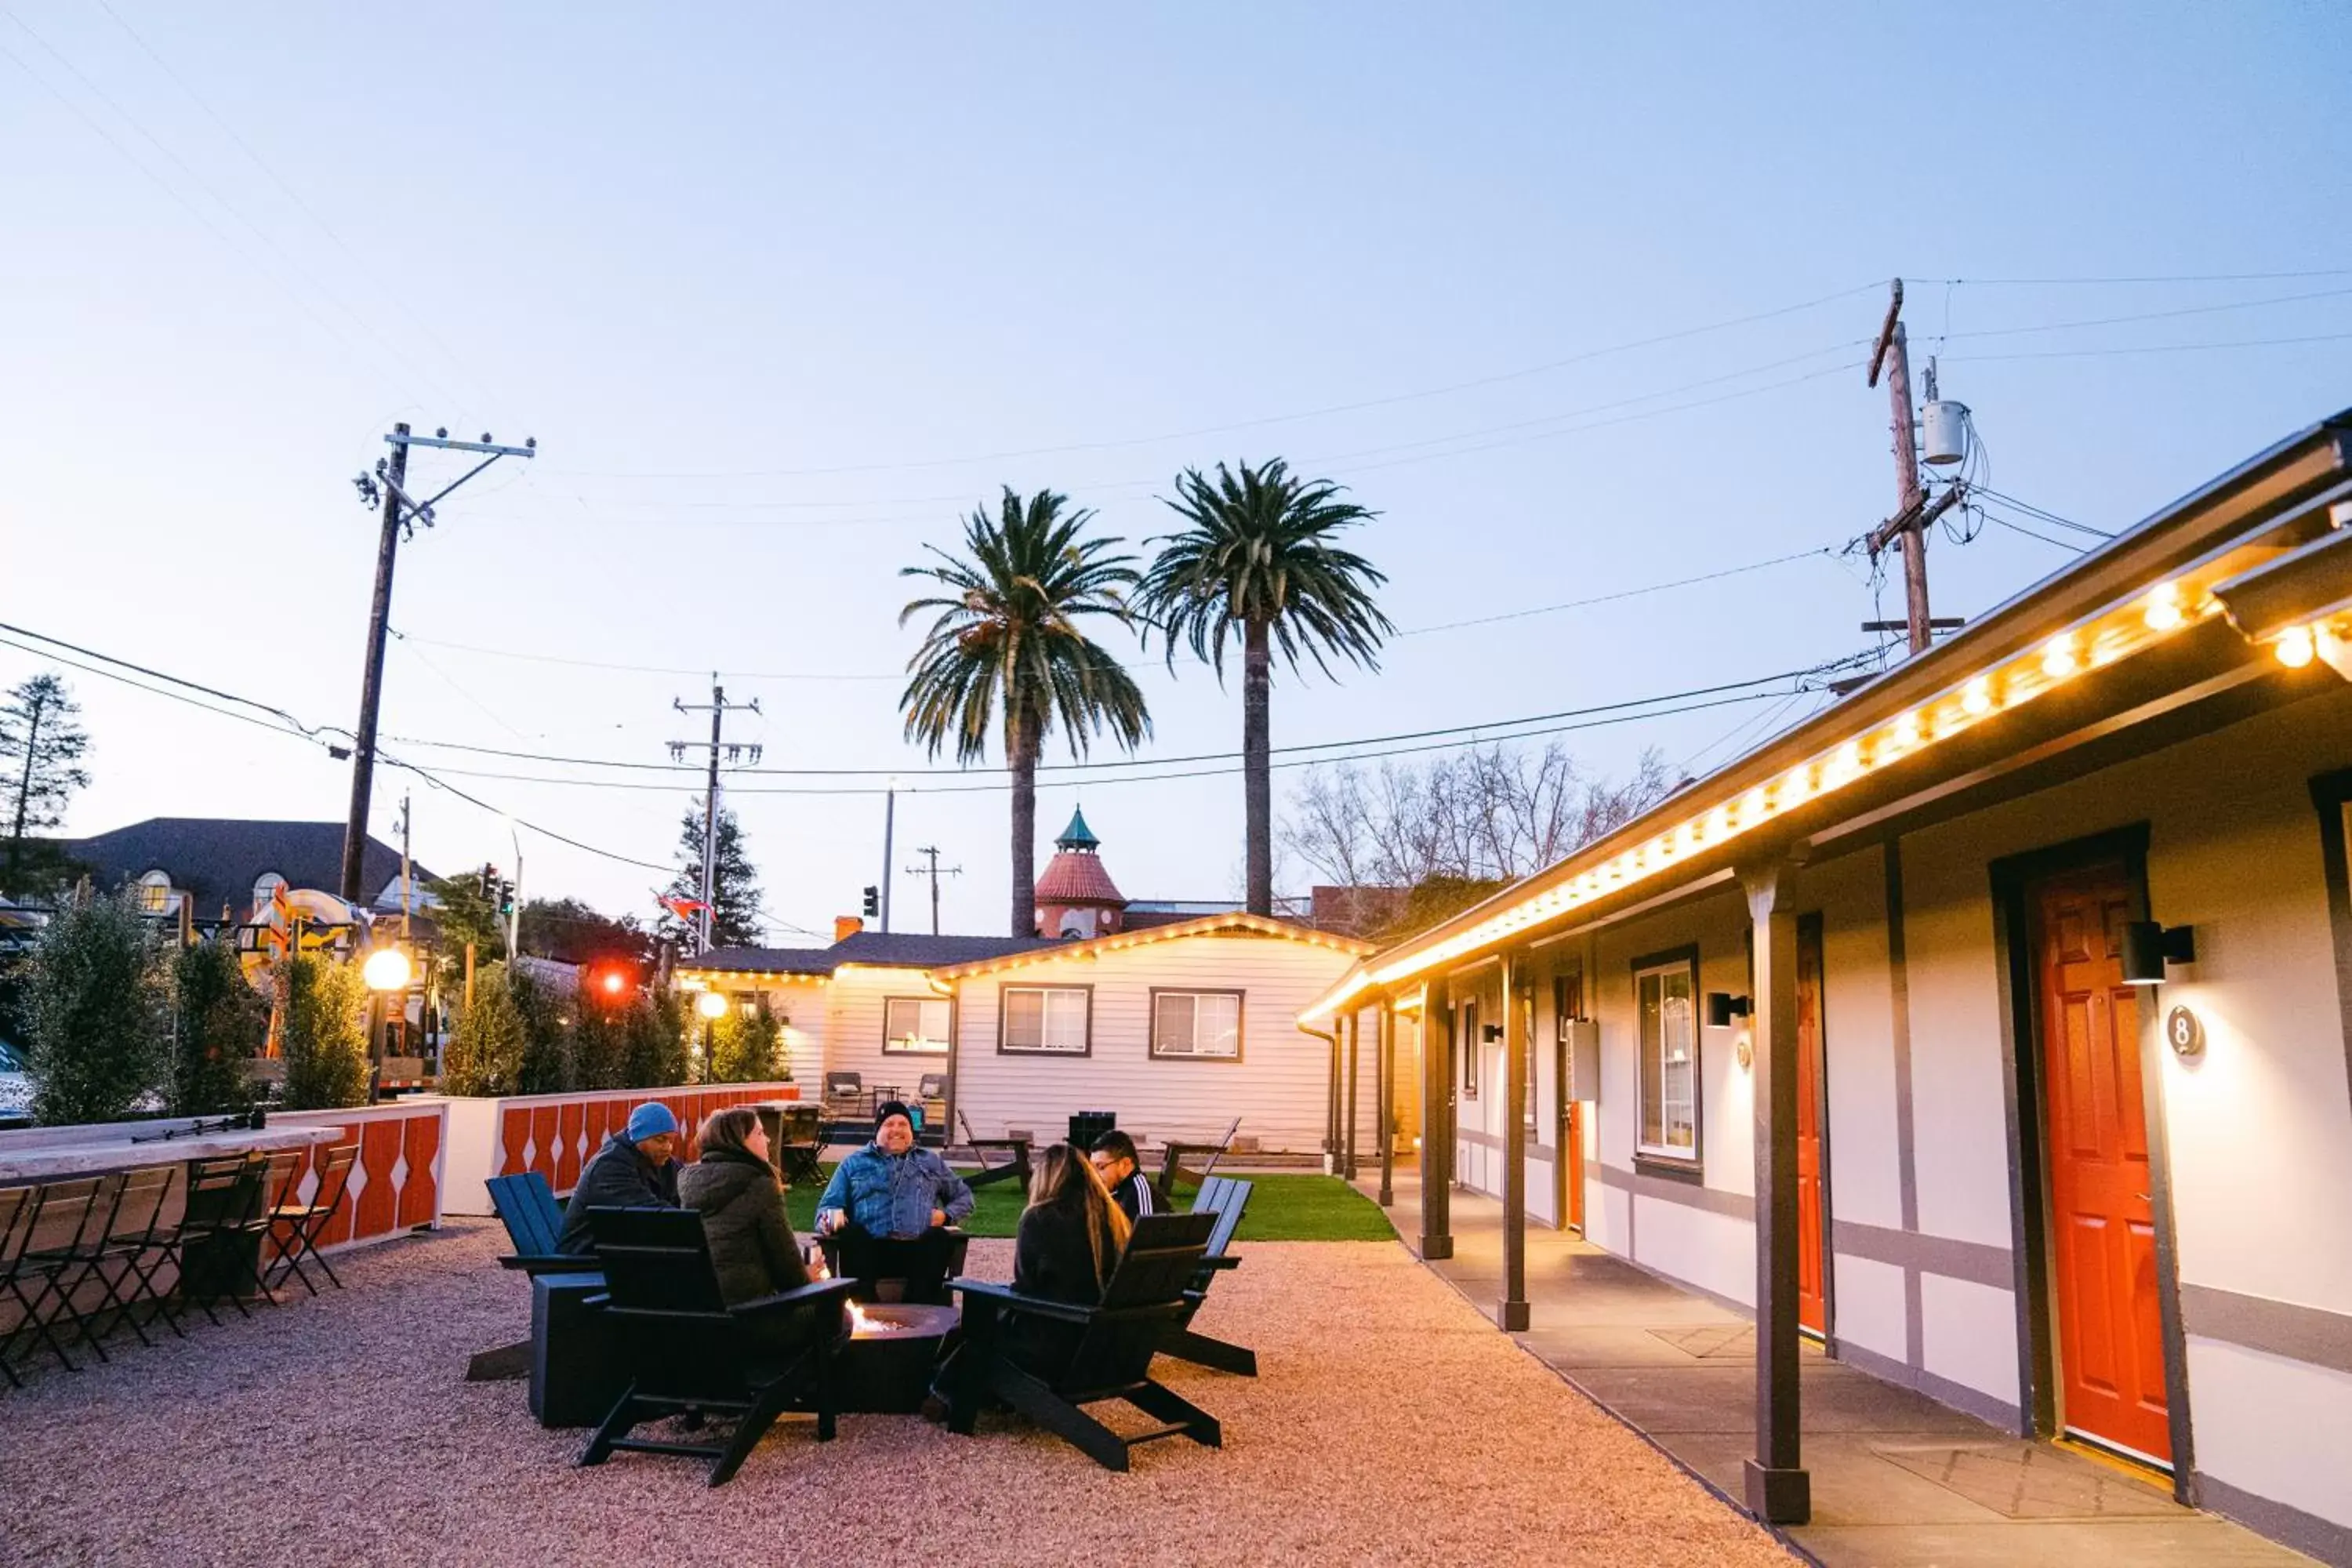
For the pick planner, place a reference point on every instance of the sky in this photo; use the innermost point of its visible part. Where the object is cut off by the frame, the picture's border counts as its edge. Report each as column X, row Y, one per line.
column 1574, row 298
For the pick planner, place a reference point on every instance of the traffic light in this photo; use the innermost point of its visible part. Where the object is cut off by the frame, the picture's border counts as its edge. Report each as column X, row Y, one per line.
column 486, row 880
column 610, row 983
column 506, row 898
column 873, row 901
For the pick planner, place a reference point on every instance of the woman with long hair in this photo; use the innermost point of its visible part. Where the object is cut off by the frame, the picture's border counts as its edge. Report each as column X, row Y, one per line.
column 742, row 1201
column 1069, row 1241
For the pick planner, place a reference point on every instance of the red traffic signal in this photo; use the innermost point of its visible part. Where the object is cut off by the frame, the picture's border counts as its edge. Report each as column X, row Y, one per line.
column 612, row 983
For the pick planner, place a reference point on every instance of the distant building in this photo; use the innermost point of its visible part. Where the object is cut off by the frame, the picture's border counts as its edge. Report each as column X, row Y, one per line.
column 212, row 864
column 1076, row 896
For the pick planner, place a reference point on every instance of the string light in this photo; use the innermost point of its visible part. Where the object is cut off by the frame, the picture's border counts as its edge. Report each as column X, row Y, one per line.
column 2293, row 647
column 2163, row 612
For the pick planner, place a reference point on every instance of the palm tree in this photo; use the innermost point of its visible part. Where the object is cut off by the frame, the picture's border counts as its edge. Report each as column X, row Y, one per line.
column 1009, row 630
column 1257, row 553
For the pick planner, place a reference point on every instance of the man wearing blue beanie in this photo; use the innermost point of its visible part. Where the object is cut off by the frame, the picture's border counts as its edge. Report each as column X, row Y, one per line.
column 634, row 1170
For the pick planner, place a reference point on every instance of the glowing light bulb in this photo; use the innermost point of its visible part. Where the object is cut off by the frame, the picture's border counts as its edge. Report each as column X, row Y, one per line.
column 2058, row 661
column 2163, row 612
column 1904, row 731
column 1849, row 759
column 2293, row 647
column 1756, row 805
column 1976, row 697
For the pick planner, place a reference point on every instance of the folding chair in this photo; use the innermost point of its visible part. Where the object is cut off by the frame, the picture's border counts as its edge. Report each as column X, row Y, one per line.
column 305, row 1222
column 1112, row 1357
column 800, row 1143
column 687, row 1350
column 129, row 1237
column 15, row 1205
column 67, row 1224
column 221, row 1194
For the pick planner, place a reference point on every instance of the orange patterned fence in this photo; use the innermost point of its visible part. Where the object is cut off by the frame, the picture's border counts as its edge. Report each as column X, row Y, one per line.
column 556, row 1134
column 397, row 1184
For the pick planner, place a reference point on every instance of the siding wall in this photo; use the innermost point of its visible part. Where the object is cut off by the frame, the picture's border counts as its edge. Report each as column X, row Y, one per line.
column 1278, row 1088
column 854, row 1007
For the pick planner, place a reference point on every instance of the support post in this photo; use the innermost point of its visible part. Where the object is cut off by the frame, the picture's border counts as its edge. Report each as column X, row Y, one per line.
column 1436, row 1122
column 1511, row 1312
column 1778, row 1490
column 1355, row 1022
column 1386, row 1047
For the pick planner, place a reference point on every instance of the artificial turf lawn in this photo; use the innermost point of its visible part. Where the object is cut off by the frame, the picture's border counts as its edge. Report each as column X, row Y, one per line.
column 1284, row 1206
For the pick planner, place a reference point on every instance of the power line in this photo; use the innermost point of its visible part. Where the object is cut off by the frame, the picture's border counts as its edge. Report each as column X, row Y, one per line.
column 1621, row 593
column 289, row 726
column 1992, row 516
column 629, row 669
column 2042, row 513
column 1582, row 357
column 1126, row 765
column 2175, row 278
column 2149, row 315
column 2148, row 349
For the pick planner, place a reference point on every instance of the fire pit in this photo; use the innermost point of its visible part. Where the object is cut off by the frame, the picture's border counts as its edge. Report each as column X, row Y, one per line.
column 886, row 1368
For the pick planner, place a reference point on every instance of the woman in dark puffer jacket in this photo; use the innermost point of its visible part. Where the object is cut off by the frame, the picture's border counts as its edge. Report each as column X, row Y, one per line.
column 742, row 1201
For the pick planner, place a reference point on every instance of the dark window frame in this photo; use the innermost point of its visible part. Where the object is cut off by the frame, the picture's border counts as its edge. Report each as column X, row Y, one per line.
column 947, row 1045
column 1151, row 1022
column 1004, row 1015
column 1467, row 1030
column 1692, row 1165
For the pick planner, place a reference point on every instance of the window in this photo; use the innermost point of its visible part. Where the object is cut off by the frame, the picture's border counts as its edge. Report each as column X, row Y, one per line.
column 1665, row 995
column 1197, row 1024
column 155, row 892
column 915, row 1025
column 264, row 886
column 1471, row 1046
column 1056, row 1019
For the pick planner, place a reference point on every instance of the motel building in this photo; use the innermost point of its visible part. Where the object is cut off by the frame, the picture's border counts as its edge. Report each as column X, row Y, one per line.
column 1990, row 1028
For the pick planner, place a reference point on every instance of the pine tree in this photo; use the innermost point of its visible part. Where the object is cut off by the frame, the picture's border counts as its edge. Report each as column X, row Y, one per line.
column 656, row 1054
column 41, row 747
column 735, row 886
column 548, row 1065
column 747, row 1047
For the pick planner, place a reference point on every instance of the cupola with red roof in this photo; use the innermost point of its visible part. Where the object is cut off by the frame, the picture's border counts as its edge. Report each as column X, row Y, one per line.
column 1076, row 897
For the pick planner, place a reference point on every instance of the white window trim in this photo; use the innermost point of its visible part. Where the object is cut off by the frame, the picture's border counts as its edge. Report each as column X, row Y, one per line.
column 1004, row 1045
column 1686, row 967
column 1238, row 996
column 917, row 1046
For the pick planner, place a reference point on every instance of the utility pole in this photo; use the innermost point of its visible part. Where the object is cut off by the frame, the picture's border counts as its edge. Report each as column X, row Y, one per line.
column 934, row 872
column 1909, row 521
column 889, row 827
column 717, row 708
column 401, row 513
column 406, row 872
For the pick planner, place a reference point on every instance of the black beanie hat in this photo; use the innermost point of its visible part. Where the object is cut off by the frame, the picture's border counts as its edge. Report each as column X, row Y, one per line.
column 888, row 1109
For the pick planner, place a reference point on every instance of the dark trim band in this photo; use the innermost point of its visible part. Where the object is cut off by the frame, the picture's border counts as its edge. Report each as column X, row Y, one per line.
column 1974, row 1261
column 2313, row 1335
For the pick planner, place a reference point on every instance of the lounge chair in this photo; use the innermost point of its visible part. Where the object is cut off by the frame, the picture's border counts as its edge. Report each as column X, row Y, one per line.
column 526, row 1205
column 685, row 1348
column 1227, row 1198
column 1172, row 1168
column 1113, row 1358
column 1015, row 1150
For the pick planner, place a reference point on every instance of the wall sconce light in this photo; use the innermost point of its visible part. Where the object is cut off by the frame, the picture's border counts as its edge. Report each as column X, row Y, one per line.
column 2148, row 947
column 1490, row 1033
column 1722, row 1007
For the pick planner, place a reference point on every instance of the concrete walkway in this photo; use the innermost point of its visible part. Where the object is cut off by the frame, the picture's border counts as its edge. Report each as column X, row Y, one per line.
column 1897, row 1479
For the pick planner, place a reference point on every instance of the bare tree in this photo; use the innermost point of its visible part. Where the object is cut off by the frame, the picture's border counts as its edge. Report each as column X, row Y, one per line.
column 1494, row 813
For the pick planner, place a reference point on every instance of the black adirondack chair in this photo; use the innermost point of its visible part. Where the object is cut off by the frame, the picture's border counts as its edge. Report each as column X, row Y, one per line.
column 1173, row 1170
column 1226, row 1197
column 687, row 1350
column 1113, row 1359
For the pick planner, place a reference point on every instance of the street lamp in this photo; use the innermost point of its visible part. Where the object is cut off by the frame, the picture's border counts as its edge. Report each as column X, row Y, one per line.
column 386, row 968
column 713, row 1008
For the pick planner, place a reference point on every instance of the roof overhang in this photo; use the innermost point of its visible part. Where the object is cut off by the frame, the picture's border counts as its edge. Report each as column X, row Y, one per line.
column 2125, row 650
column 1225, row 923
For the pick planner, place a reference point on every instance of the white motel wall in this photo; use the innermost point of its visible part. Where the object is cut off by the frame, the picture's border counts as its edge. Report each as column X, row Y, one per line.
column 1924, row 1209
column 1279, row 1085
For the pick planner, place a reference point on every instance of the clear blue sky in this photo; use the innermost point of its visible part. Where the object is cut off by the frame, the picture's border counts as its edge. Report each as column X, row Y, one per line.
column 826, row 265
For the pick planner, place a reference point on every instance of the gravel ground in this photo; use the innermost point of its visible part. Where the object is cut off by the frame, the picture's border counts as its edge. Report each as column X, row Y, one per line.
column 1392, row 1423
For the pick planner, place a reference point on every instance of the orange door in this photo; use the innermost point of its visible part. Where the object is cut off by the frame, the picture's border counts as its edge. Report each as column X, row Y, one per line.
column 1567, row 1149
column 2111, row 1354
column 1813, row 1298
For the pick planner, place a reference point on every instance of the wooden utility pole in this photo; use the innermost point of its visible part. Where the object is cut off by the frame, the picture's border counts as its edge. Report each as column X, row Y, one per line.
column 387, row 551
column 718, row 707
column 401, row 514
column 1894, row 353
column 934, row 872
